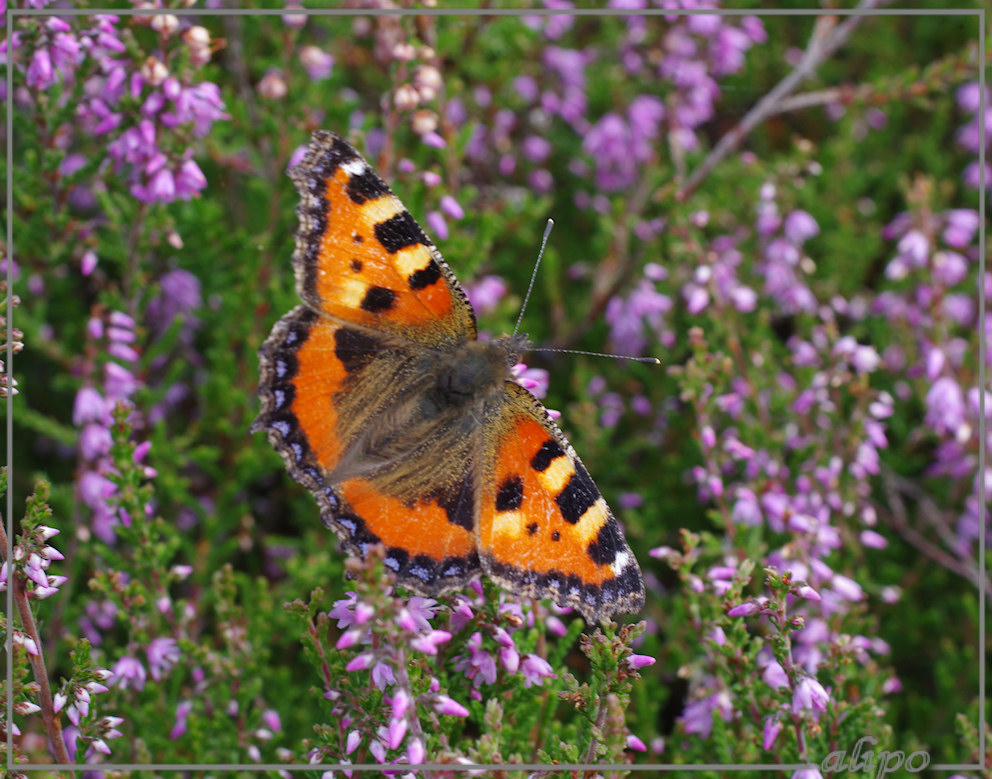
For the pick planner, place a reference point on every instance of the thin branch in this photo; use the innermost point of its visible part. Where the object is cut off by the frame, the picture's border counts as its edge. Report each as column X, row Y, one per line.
column 895, row 487
column 52, row 721
column 827, row 37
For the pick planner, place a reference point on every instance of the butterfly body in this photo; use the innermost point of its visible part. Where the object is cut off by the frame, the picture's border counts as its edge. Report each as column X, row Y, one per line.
column 408, row 430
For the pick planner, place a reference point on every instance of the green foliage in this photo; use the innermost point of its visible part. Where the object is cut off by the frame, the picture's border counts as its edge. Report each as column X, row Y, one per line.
column 209, row 545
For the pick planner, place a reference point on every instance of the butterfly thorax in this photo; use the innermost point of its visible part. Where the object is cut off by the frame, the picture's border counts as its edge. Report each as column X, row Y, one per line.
column 422, row 428
column 468, row 372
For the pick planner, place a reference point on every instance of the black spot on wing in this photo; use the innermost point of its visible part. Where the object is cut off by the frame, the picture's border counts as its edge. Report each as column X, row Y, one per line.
column 399, row 232
column 356, row 265
column 355, row 350
column 579, row 494
column 510, row 494
column 378, row 299
column 609, row 541
column 532, row 528
column 550, row 450
column 460, row 505
column 425, row 276
column 366, row 186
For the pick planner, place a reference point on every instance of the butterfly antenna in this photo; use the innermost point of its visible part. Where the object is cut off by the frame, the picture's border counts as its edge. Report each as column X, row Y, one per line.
column 647, row 360
column 533, row 275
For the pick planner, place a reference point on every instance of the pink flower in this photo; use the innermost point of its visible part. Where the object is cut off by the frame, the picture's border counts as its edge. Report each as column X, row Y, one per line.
column 809, row 694
column 129, row 672
column 163, row 653
column 449, row 706
column 770, row 732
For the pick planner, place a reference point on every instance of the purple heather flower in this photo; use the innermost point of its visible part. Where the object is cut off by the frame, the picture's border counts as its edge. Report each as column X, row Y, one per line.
column 746, row 510
column 526, row 87
column 163, row 653
column 627, row 317
column 129, row 672
column 383, row 676
column 87, row 263
column 179, row 296
column 847, row 588
column 317, row 62
column 698, row 715
column 646, row 113
column 799, row 227
column 631, row 500
column 569, row 66
column 640, row 661
column 609, row 143
column 89, row 406
column 119, row 382
column 351, row 637
column 536, row 149
column 485, row 293
column 961, row 225
column 182, row 713
column 949, row 268
column 534, row 380
column 428, row 644
column 378, row 751
column 437, row 224
column 415, row 752
column 479, row 665
column 451, row 207
column 535, row 670
column 770, row 732
column 945, row 406
column 361, row 662
column 434, row 140
column 748, row 609
column 809, row 694
column 633, row 742
column 401, row 704
column 343, row 610
column 774, row 675
column 450, row 707
column 541, row 181
column 396, row 733
column 41, row 75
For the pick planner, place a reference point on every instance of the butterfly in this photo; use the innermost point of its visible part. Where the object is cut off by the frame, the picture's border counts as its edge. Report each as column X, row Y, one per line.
column 408, row 429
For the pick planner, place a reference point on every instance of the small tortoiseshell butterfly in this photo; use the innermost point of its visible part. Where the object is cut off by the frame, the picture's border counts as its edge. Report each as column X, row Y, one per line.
column 407, row 429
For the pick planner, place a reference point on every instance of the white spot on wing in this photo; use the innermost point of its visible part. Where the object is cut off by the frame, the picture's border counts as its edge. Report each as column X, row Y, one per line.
column 620, row 561
column 354, row 167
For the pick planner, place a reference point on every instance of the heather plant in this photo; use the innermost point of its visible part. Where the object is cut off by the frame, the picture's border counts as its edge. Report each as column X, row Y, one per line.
column 787, row 219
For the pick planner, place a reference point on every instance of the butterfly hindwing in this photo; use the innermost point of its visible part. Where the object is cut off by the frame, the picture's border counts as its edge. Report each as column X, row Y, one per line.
column 544, row 528
column 323, row 386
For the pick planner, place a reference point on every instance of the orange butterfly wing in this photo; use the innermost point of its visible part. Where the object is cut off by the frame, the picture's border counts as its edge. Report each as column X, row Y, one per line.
column 377, row 294
column 360, row 256
column 544, row 528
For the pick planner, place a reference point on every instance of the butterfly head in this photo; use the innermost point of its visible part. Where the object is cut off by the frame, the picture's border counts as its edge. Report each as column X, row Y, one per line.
column 514, row 347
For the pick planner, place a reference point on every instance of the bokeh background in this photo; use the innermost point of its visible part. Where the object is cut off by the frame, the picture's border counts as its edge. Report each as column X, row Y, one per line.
column 782, row 208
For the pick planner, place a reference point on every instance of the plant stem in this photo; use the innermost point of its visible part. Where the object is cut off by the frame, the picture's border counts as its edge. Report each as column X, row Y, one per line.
column 53, row 722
